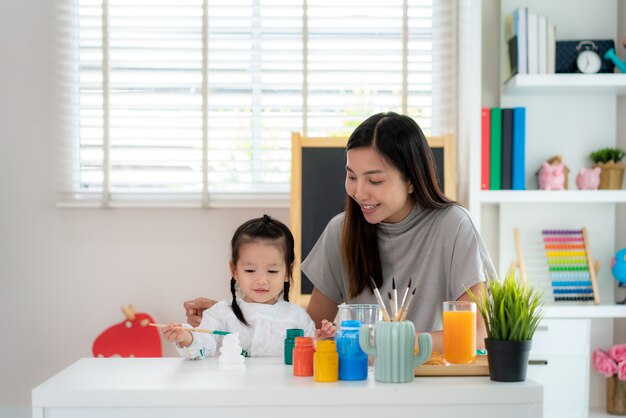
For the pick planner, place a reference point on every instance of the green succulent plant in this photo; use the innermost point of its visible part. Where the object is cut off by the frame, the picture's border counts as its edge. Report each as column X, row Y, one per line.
column 513, row 310
column 605, row 155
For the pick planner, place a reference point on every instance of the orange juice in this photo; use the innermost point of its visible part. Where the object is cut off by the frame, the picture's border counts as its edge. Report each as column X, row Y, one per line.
column 459, row 336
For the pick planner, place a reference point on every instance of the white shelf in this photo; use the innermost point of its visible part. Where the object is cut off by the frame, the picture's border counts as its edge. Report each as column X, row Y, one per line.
column 585, row 311
column 553, row 196
column 579, row 84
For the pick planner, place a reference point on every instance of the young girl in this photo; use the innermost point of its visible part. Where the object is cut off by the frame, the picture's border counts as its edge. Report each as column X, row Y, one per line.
column 261, row 266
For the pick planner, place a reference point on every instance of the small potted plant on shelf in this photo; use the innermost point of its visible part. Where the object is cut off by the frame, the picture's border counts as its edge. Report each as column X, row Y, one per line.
column 511, row 311
column 612, row 364
column 612, row 174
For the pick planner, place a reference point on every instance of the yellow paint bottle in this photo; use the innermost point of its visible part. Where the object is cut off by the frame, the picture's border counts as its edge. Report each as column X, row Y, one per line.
column 326, row 361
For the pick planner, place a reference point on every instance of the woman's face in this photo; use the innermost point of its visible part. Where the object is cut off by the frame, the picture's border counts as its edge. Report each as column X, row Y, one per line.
column 378, row 188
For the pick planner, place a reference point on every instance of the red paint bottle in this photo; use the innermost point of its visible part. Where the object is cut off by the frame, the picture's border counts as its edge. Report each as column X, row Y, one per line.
column 303, row 353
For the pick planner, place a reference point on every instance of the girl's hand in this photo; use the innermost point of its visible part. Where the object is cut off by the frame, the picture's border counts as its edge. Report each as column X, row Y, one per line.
column 326, row 331
column 177, row 334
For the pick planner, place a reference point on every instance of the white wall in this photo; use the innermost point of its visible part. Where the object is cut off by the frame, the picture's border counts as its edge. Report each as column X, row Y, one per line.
column 65, row 273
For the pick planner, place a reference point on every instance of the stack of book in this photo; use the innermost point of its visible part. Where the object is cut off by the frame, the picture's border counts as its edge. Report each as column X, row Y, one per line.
column 529, row 44
column 503, row 148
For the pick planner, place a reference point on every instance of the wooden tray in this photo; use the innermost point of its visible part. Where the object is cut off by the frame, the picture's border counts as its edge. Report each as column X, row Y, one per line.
column 478, row 368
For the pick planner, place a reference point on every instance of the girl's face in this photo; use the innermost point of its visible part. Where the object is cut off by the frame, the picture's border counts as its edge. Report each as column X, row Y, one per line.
column 260, row 271
column 377, row 187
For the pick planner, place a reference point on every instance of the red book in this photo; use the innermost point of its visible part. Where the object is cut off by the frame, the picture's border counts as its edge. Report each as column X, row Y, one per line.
column 485, row 144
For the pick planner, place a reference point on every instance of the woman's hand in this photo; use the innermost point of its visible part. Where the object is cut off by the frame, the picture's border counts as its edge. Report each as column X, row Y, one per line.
column 177, row 334
column 326, row 331
column 194, row 309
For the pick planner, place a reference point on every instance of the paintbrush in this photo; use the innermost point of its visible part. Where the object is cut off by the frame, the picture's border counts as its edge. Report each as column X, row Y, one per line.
column 393, row 311
column 394, row 300
column 408, row 305
column 406, row 292
column 206, row 331
column 380, row 300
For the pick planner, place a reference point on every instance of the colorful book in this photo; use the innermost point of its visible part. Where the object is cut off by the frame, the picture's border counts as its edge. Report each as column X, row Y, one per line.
column 495, row 149
column 506, row 164
column 519, row 149
column 484, row 152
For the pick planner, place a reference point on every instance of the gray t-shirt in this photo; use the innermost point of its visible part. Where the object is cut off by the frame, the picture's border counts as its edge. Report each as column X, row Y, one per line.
column 440, row 250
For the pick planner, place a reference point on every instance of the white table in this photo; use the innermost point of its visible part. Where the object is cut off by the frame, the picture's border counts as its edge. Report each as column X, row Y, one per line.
column 171, row 387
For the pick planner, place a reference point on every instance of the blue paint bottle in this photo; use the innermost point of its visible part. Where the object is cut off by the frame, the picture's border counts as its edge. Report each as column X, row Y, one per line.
column 352, row 360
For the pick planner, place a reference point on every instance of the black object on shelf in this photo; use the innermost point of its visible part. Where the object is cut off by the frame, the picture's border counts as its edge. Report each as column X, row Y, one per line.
column 567, row 52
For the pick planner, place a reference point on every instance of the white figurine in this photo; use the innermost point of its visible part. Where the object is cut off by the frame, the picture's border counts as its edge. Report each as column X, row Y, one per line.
column 230, row 353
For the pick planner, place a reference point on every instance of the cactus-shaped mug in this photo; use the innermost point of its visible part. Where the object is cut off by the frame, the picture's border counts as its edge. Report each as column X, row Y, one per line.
column 394, row 348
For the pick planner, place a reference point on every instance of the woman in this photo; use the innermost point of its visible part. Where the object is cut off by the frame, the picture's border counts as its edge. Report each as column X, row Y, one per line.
column 397, row 225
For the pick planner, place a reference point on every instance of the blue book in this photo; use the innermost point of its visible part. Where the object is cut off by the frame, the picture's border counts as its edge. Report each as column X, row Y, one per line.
column 519, row 149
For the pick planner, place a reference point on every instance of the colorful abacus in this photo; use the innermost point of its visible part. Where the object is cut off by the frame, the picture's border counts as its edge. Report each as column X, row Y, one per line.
column 571, row 269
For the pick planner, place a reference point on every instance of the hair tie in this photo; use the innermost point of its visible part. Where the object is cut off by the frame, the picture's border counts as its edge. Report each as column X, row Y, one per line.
column 266, row 220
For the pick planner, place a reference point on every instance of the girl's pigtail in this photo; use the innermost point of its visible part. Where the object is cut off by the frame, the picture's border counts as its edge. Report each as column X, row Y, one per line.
column 286, row 291
column 235, row 305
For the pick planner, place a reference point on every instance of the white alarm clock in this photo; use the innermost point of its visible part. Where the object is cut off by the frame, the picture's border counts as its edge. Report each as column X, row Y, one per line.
column 588, row 60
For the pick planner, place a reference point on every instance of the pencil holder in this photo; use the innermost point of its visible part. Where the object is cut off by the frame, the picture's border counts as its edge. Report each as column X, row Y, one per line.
column 394, row 350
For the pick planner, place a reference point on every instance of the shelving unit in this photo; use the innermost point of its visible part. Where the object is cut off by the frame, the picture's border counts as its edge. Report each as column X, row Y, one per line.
column 568, row 115
column 550, row 84
column 553, row 196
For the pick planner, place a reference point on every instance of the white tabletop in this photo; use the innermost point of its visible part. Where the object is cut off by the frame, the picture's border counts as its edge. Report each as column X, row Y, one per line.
column 96, row 383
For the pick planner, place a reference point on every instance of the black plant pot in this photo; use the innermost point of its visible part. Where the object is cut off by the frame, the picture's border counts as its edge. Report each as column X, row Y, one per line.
column 508, row 360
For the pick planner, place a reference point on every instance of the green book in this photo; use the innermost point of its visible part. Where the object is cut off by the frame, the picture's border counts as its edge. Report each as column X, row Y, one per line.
column 495, row 154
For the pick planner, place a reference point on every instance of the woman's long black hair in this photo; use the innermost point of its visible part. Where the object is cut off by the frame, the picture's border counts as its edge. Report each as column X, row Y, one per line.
column 262, row 229
column 402, row 144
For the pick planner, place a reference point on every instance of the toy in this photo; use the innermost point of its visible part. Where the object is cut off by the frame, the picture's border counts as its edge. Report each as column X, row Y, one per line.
column 552, row 177
column 588, row 178
column 230, row 353
column 610, row 55
column 618, row 269
column 130, row 338
column 571, row 271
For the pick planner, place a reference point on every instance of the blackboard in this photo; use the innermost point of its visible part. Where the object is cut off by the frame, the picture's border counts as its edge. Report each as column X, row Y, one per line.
column 318, row 170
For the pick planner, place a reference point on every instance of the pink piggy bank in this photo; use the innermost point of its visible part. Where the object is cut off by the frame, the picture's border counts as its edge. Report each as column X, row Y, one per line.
column 551, row 177
column 588, row 178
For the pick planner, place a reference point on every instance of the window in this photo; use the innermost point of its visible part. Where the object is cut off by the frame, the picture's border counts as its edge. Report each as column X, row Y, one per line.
column 193, row 102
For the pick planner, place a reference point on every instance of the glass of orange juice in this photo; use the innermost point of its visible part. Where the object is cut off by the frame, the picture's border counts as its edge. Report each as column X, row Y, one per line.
column 459, row 332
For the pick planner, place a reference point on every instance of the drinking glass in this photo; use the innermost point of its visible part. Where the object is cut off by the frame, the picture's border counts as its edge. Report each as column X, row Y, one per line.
column 459, row 332
column 367, row 313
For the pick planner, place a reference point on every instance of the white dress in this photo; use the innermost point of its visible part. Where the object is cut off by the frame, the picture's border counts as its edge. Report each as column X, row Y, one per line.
column 265, row 337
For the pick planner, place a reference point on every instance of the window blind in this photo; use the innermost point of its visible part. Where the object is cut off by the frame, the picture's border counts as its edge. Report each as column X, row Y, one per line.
column 192, row 102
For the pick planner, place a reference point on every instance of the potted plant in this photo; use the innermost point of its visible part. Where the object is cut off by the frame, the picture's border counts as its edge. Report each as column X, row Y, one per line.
column 612, row 364
column 511, row 311
column 608, row 159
